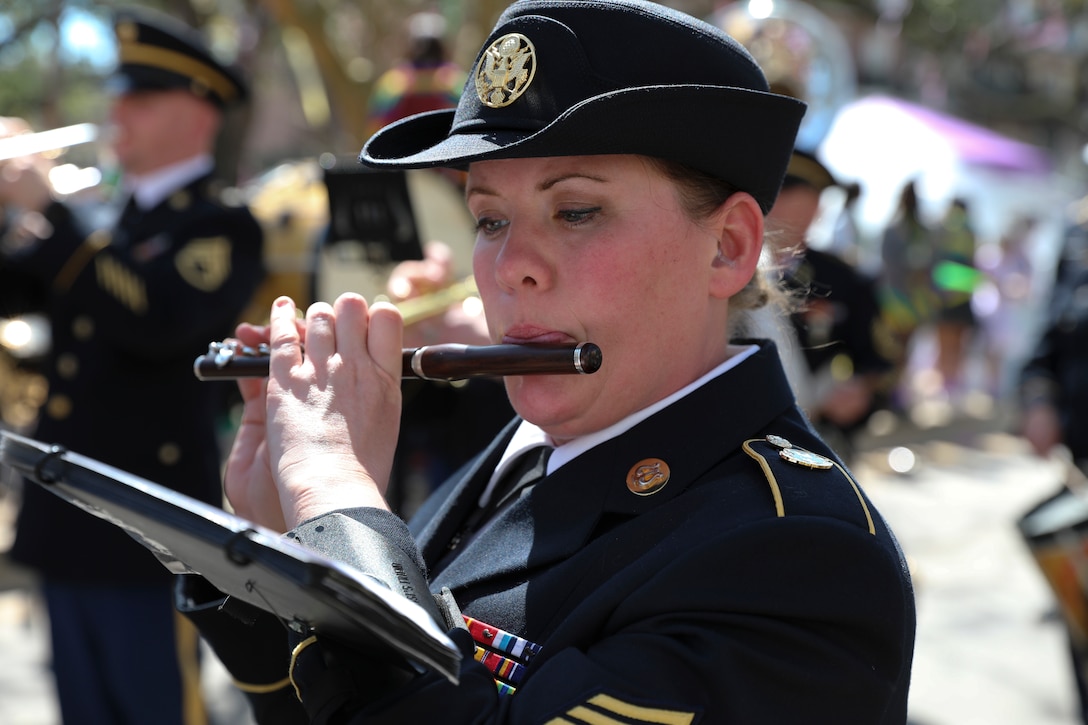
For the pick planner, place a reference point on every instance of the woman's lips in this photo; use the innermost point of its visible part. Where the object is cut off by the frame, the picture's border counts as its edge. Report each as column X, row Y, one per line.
column 526, row 335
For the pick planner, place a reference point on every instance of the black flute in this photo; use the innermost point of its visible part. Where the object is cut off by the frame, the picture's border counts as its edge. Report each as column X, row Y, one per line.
column 230, row 360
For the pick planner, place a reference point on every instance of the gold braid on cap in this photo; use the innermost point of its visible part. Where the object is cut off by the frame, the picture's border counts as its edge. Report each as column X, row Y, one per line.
column 202, row 74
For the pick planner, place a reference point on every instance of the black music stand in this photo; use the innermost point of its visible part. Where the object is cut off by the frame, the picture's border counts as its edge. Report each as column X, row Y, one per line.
column 373, row 208
column 239, row 557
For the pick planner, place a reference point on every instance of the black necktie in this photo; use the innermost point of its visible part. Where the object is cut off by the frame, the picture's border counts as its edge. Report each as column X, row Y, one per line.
column 130, row 215
column 530, row 467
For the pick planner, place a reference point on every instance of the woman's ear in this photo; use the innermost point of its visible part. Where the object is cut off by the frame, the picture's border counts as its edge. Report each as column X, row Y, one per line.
column 739, row 226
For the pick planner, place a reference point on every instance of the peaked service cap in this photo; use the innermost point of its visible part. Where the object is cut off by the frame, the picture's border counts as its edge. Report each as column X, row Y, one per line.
column 158, row 52
column 583, row 77
column 805, row 168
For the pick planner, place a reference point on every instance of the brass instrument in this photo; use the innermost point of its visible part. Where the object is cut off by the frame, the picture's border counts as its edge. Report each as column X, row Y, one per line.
column 26, row 144
column 230, row 360
column 291, row 202
column 420, row 308
column 803, row 53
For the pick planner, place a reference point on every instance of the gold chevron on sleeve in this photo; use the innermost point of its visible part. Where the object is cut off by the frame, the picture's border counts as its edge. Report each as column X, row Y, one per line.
column 608, row 710
column 122, row 283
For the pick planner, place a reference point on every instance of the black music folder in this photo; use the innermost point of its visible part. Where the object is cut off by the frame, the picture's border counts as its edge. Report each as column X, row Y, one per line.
column 239, row 557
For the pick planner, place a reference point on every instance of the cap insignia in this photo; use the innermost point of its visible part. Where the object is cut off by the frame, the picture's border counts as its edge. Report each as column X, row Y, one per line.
column 505, row 70
column 648, row 476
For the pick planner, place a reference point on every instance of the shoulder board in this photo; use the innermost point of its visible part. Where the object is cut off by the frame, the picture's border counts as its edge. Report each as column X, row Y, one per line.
column 803, row 482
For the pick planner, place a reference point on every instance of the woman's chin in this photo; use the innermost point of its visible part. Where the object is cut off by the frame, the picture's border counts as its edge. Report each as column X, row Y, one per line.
column 554, row 405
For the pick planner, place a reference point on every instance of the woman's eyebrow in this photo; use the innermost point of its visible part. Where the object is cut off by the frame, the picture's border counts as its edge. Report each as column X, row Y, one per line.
column 482, row 190
column 549, row 183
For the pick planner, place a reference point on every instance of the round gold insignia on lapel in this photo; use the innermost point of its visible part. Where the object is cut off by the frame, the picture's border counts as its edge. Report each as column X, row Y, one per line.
column 808, row 459
column 505, row 70
column 648, row 476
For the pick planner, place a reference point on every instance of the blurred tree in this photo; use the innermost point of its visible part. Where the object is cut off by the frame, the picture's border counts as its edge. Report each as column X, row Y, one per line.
column 1016, row 65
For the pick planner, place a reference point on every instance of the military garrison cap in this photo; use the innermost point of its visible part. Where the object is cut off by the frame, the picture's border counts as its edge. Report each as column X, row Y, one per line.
column 580, row 77
column 160, row 53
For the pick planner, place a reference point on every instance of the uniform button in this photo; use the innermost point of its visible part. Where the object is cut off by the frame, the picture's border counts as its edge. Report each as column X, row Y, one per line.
column 648, row 476
column 169, row 454
column 58, row 407
column 83, row 327
column 67, row 365
column 181, row 200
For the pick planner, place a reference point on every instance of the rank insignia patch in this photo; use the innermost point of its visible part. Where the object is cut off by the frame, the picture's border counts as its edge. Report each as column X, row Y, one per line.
column 205, row 263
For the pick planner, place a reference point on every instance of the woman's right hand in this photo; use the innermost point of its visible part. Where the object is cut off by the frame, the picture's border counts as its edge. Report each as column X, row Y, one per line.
column 248, row 483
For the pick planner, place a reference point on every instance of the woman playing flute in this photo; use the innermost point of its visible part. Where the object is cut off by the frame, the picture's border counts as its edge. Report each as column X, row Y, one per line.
column 692, row 552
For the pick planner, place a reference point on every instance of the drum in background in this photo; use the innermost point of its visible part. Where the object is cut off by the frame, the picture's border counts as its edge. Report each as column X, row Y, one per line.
column 1056, row 531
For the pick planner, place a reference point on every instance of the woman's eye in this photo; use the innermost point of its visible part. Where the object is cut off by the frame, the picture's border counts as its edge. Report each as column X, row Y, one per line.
column 490, row 225
column 577, row 216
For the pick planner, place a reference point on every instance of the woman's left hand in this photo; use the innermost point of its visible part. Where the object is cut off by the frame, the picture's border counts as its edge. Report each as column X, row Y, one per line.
column 333, row 413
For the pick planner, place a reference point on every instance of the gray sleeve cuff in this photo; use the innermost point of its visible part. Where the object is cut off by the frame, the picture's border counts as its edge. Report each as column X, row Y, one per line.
column 375, row 542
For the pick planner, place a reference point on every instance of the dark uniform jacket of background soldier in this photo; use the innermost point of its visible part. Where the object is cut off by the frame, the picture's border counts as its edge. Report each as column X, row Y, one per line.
column 131, row 307
column 1055, row 379
column 1057, row 372
column 837, row 323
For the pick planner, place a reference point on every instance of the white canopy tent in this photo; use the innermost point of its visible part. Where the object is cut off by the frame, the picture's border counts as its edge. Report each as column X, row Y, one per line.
column 884, row 142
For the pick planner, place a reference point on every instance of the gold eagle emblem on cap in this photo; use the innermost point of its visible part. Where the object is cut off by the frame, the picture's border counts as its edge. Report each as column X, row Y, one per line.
column 505, row 70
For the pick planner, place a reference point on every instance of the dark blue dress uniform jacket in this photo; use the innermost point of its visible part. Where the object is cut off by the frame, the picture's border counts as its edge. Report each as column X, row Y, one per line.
column 1057, row 369
column 131, row 308
column 747, row 589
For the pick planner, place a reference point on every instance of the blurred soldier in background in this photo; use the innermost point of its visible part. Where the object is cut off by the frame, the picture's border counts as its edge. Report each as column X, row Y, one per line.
column 1054, row 388
column 837, row 325
column 130, row 307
